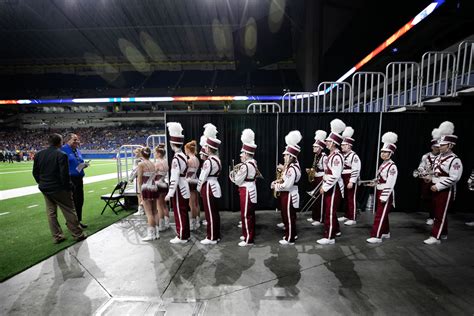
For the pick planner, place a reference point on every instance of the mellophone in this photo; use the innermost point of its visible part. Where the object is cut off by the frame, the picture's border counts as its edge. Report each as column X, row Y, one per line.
column 371, row 182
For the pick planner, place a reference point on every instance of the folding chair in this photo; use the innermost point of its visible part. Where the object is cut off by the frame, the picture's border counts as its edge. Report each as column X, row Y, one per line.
column 112, row 200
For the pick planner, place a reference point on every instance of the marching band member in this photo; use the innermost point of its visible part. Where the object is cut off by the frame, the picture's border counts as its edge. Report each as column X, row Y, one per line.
column 333, row 186
column 244, row 176
column 447, row 172
column 470, row 183
column 289, row 196
column 209, row 186
column 203, row 156
column 191, row 177
column 161, row 166
column 178, row 191
column 350, row 176
column 385, row 194
column 318, row 167
column 426, row 166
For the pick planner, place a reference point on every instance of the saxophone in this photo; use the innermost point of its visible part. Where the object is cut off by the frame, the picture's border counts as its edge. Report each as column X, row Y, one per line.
column 312, row 171
column 279, row 178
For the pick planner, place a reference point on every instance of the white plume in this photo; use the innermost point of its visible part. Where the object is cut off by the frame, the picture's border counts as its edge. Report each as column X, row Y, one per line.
column 390, row 138
column 293, row 138
column 337, row 126
column 446, row 128
column 248, row 136
column 210, row 130
column 320, row 135
column 203, row 141
column 436, row 134
column 348, row 132
column 175, row 129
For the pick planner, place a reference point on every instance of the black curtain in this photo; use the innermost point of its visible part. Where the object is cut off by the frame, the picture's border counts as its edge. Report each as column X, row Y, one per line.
column 230, row 127
column 414, row 135
column 413, row 129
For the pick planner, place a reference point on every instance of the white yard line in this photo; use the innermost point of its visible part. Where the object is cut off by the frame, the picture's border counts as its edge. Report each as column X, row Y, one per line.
column 30, row 170
column 4, row 213
column 13, row 193
column 31, row 206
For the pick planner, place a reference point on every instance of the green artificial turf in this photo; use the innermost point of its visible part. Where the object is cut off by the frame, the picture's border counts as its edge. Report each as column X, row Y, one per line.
column 18, row 174
column 24, row 231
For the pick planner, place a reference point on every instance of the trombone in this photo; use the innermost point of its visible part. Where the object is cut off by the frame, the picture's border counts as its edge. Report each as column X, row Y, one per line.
column 369, row 183
column 315, row 194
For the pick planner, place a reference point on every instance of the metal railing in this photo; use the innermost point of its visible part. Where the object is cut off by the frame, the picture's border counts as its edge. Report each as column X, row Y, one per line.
column 464, row 65
column 334, row 97
column 368, row 92
column 402, row 85
column 264, row 107
column 437, row 74
column 299, row 102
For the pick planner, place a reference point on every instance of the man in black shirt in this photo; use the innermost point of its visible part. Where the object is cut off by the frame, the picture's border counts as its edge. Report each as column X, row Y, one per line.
column 51, row 172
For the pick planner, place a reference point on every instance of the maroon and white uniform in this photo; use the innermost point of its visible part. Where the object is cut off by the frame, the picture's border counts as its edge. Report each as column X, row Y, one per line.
column 162, row 178
column 317, row 213
column 427, row 163
column 447, row 172
column 210, row 191
column 244, row 178
column 350, row 174
column 179, row 193
column 384, row 198
column 333, row 187
column 191, row 173
column 289, row 198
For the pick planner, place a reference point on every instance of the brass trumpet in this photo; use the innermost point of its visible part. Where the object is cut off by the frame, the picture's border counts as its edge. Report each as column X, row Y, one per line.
column 422, row 173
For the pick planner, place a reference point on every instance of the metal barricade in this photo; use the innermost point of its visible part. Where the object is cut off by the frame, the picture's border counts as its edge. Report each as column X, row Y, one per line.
column 437, row 74
column 126, row 161
column 154, row 140
column 368, row 92
column 465, row 60
column 264, row 107
column 298, row 102
column 402, row 85
column 334, row 97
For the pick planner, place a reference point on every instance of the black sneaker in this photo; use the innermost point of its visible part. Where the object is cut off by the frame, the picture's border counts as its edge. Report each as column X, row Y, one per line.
column 83, row 225
column 82, row 237
column 59, row 240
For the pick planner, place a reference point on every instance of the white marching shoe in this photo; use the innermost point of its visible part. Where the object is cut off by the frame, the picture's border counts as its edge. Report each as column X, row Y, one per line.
column 342, row 218
column 242, row 238
column 206, row 241
column 176, row 240
column 350, row 222
column 386, row 236
column 243, row 244
column 140, row 211
column 285, row 242
column 429, row 221
column 374, row 240
column 432, row 241
column 316, row 223
column 326, row 241
column 310, row 220
column 161, row 227
column 281, row 225
column 470, row 224
column 151, row 234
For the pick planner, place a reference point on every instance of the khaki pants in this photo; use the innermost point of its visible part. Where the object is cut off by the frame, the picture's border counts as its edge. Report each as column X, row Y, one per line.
column 64, row 200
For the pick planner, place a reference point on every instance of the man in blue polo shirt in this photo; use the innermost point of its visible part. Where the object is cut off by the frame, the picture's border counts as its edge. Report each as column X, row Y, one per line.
column 76, row 171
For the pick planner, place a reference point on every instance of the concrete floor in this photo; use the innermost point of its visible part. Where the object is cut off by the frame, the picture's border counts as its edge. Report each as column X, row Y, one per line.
column 114, row 273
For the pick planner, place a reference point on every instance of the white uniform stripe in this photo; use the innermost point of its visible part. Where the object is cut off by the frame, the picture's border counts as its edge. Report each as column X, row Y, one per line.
column 321, row 219
column 289, row 217
column 330, row 211
column 381, row 218
column 444, row 215
column 179, row 216
column 354, row 202
column 245, row 215
column 210, row 211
